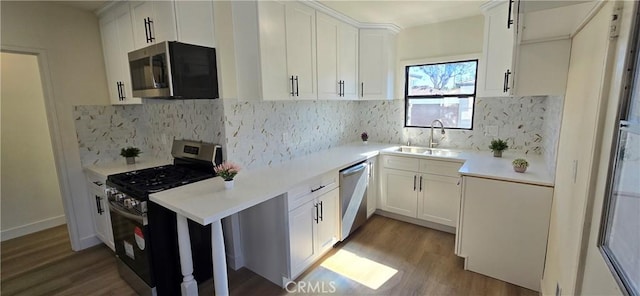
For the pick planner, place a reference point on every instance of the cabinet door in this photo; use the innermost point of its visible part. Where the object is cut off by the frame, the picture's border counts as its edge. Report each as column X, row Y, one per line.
column 372, row 66
column 399, row 192
column 141, row 10
column 505, row 228
column 111, row 51
column 439, row 199
column 101, row 215
column 372, row 190
column 329, row 220
column 194, row 21
column 301, row 49
column 162, row 26
column 302, row 225
column 276, row 84
column 327, row 41
column 164, row 21
column 498, row 53
column 348, row 60
column 117, row 41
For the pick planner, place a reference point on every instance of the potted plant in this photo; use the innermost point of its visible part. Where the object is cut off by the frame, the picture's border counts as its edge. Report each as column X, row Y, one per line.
column 520, row 165
column 227, row 171
column 130, row 154
column 365, row 137
column 497, row 146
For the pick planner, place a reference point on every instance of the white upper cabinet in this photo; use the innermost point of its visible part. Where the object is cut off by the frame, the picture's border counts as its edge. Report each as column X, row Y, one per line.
column 194, row 20
column 128, row 26
column 275, row 52
column 153, row 22
column 117, row 40
column 329, row 85
column 337, row 58
column 377, row 64
column 496, row 67
column 300, row 23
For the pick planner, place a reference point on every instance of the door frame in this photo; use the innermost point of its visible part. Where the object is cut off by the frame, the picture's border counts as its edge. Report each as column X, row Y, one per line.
column 54, row 135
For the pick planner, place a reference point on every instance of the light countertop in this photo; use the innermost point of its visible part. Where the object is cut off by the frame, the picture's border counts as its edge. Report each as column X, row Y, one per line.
column 207, row 201
column 106, row 169
column 483, row 164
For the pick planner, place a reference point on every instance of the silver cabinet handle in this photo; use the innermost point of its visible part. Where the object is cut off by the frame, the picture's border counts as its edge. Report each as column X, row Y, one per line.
column 420, row 183
column 414, row 182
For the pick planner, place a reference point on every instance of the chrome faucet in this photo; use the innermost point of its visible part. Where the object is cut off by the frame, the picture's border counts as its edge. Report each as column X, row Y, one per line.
column 431, row 142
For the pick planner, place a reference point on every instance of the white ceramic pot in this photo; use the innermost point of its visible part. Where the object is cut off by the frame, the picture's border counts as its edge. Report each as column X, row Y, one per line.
column 228, row 184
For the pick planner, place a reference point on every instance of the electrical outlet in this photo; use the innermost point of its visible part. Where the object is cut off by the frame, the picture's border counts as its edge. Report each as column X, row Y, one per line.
column 163, row 138
column 491, row 131
column 285, row 138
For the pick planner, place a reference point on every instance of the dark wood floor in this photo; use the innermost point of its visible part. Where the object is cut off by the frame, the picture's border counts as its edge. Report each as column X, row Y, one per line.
column 423, row 260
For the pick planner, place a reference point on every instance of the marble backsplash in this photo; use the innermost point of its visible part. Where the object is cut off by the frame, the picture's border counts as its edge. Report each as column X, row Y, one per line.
column 164, row 121
column 255, row 134
column 103, row 130
column 266, row 133
column 551, row 130
column 519, row 120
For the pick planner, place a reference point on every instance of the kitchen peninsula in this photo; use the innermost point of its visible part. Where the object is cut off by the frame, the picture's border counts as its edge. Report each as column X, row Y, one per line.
column 207, row 202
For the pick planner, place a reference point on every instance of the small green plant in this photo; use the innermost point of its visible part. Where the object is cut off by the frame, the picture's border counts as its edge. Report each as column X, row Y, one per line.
column 498, row 145
column 130, row 152
column 520, row 163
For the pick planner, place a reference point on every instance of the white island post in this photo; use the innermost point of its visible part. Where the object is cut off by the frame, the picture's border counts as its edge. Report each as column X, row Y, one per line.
column 189, row 285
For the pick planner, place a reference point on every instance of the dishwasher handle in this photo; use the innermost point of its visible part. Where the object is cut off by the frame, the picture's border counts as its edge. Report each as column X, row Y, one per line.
column 354, row 169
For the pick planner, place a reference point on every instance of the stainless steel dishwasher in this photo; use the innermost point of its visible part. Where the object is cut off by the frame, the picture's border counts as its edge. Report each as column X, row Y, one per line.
column 353, row 198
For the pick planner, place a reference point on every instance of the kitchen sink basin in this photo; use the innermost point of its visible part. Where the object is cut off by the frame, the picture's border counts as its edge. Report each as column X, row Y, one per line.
column 426, row 151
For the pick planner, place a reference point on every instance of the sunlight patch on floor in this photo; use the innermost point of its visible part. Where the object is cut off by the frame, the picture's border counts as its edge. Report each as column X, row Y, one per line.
column 362, row 270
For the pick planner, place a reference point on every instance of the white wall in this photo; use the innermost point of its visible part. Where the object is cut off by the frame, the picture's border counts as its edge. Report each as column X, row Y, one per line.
column 30, row 197
column 450, row 38
column 596, row 278
column 578, row 150
column 428, row 42
column 70, row 39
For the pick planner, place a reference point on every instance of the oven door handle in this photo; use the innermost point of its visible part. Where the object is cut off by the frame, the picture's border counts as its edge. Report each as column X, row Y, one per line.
column 118, row 210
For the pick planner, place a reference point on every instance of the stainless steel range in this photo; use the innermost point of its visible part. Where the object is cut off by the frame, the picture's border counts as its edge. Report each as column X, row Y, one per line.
column 145, row 233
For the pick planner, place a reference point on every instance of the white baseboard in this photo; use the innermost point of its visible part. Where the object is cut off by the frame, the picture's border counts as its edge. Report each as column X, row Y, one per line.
column 32, row 227
column 88, row 242
column 415, row 221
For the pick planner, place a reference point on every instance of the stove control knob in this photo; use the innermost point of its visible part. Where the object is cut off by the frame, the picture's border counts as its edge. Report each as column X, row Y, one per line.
column 121, row 197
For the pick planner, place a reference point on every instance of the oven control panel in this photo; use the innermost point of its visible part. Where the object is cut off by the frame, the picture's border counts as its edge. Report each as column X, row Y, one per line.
column 129, row 203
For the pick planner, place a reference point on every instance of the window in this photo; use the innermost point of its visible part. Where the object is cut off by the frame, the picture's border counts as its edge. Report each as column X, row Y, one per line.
column 444, row 91
column 620, row 236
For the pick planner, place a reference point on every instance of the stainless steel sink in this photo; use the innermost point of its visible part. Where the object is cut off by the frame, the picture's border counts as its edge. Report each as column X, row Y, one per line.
column 426, row 151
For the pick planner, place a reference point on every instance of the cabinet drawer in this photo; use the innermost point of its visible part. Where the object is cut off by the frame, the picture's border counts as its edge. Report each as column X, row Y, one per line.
column 401, row 163
column 310, row 189
column 438, row 167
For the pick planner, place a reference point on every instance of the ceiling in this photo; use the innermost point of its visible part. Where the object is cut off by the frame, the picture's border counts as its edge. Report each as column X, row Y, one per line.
column 401, row 13
column 405, row 13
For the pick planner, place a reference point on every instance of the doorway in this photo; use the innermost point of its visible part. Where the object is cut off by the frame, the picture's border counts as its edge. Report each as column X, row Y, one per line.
column 30, row 192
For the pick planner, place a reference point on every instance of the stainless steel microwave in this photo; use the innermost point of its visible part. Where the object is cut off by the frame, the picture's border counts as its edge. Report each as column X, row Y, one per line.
column 174, row 70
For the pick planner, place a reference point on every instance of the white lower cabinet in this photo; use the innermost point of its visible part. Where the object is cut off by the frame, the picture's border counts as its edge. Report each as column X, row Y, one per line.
column 439, row 199
column 372, row 189
column 503, row 229
column 399, row 192
column 100, row 210
column 313, row 229
column 421, row 188
column 299, row 226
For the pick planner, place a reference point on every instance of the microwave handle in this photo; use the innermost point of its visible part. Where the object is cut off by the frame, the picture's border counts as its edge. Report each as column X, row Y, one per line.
column 153, row 76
